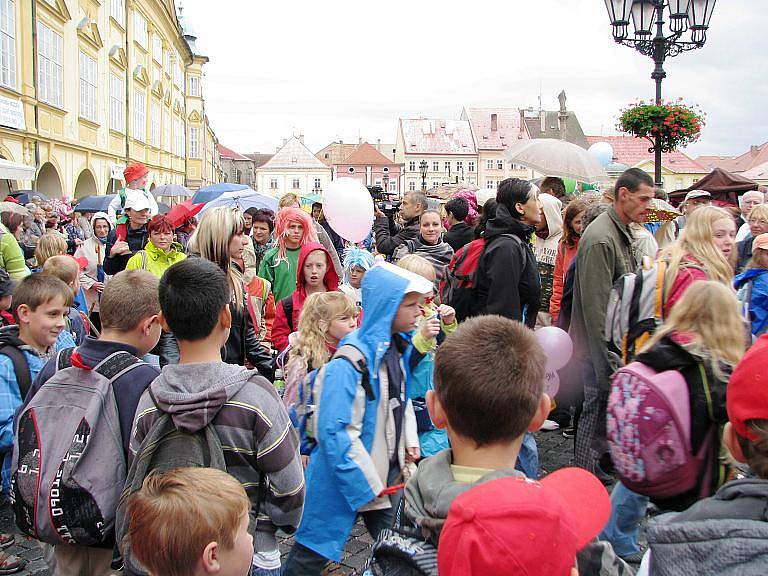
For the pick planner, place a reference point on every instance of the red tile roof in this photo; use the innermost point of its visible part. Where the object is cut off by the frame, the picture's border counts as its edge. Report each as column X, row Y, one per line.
column 225, row 152
column 436, row 136
column 755, row 156
column 632, row 151
column 366, row 155
column 507, row 130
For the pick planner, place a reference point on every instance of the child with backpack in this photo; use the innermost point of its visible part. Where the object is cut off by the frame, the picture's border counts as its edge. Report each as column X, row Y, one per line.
column 752, row 287
column 191, row 522
column 366, row 429
column 205, row 412
column 683, row 370
column 130, row 328
column 7, row 286
column 431, row 439
column 67, row 269
column 315, row 273
column 726, row 533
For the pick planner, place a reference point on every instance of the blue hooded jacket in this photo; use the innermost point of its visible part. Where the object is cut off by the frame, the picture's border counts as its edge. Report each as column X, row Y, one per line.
column 337, row 486
column 758, row 303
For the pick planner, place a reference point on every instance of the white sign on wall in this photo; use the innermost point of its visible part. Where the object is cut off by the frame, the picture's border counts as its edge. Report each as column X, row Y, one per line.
column 12, row 113
column 117, row 171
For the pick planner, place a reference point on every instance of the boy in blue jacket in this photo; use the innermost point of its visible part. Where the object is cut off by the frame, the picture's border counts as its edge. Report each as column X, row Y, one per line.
column 365, row 441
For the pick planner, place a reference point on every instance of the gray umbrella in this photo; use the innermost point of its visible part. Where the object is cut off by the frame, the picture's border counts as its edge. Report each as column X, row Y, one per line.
column 168, row 190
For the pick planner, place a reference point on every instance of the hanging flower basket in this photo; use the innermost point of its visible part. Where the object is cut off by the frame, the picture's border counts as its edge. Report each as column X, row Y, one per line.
column 678, row 124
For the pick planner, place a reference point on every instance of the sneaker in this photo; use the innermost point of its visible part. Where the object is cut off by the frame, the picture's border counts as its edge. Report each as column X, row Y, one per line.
column 550, row 425
column 10, row 564
column 569, row 432
column 6, row 540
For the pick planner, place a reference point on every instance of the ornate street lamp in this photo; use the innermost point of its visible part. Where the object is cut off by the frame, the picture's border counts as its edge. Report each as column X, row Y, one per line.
column 668, row 41
column 423, row 166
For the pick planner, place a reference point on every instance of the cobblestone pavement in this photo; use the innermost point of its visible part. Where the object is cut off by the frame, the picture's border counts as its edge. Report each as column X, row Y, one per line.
column 555, row 452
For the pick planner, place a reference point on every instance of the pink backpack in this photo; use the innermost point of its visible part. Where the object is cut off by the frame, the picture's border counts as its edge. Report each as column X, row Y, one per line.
column 649, row 432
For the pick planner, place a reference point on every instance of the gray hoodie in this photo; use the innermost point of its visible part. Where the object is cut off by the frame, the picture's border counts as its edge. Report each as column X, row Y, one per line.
column 252, row 424
column 431, row 491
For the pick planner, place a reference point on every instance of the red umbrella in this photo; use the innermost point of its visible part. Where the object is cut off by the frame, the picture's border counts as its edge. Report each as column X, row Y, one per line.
column 180, row 212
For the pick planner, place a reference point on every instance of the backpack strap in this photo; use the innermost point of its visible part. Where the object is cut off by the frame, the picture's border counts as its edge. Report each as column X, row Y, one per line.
column 288, row 310
column 352, row 355
column 20, row 368
column 661, row 290
column 143, row 259
column 116, row 364
column 64, row 358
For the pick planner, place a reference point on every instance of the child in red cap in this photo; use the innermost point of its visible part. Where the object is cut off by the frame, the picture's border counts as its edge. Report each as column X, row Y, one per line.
column 135, row 176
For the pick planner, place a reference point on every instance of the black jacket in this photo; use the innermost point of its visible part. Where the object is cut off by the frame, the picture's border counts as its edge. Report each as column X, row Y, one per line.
column 669, row 355
column 743, row 253
column 243, row 345
column 137, row 240
column 390, row 235
column 508, row 275
column 459, row 235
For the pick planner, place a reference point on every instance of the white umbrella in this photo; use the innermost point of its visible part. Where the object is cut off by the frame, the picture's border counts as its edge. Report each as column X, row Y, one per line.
column 13, row 208
column 242, row 200
column 15, row 171
column 553, row 157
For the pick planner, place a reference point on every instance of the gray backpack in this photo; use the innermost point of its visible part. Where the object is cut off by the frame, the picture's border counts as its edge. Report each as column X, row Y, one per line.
column 164, row 448
column 68, row 462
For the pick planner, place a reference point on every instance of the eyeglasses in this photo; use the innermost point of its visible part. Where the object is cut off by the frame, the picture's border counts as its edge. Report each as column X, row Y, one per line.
column 758, row 222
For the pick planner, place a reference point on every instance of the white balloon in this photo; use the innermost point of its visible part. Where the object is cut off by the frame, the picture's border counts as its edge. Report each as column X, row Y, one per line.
column 348, row 207
column 551, row 383
column 557, row 346
column 603, row 153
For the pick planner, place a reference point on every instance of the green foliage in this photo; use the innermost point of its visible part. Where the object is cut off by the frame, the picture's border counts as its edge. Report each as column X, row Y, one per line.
column 677, row 123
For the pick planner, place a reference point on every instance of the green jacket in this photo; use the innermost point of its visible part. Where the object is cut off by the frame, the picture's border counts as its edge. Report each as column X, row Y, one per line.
column 155, row 260
column 280, row 273
column 11, row 255
column 604, row 255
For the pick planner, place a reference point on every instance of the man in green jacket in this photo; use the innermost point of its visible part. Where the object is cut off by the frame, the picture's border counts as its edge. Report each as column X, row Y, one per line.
column 604, row 255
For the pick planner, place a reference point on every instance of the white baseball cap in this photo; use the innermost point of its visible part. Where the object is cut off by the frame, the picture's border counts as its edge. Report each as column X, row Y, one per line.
column 416, row 283
column 697, row 194
column 136, row 200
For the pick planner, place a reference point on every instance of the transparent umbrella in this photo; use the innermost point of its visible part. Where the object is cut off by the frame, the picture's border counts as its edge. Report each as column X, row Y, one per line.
column 557, row 158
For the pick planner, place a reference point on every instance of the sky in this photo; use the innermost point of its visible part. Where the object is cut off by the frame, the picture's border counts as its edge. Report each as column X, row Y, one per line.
column 345, row 69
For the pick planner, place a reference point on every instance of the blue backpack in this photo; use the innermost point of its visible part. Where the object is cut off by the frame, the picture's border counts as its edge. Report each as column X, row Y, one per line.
column 305, row 412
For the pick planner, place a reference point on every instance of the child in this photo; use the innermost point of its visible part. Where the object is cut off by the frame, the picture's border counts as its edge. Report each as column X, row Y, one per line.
column 261, row 307
column 489, row 390
column 7, row 287
column 315, row 273
column 242, row 406
column 431, row 440
column 752, row 285
column 66, row 269
column 130, row 323
column 51, row 244
column 356, row 263
column 191, row 522
column 537, row 527
column 293, row 229
column 726, row 533
column 365, row 440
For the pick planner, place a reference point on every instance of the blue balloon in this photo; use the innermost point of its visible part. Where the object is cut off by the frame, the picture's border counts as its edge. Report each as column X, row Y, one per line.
column 603, row 153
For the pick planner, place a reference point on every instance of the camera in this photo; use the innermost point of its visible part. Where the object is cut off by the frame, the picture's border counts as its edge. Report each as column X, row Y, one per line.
column 383, row 201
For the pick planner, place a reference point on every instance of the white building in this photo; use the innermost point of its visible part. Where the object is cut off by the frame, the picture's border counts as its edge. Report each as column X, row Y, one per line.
column 293, row 168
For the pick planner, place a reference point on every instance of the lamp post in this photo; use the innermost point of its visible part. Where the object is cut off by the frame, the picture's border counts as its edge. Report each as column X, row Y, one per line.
column 423, row 168
column 385, row 180
column 646, row 15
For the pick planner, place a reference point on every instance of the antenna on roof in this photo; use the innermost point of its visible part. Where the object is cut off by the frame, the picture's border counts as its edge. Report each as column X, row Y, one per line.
column 540, row 89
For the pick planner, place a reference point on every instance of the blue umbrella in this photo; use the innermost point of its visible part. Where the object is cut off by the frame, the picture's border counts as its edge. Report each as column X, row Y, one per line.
column 213, row 191
column 25, row 196
column 94, row 203
column 243, row 201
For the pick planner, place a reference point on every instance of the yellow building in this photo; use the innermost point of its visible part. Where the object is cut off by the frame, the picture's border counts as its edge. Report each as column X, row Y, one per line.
column 87, row 86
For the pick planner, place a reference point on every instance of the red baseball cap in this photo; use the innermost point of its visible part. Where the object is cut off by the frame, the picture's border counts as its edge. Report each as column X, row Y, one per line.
column 747, row 397
column 522, row 527
column 134, row 171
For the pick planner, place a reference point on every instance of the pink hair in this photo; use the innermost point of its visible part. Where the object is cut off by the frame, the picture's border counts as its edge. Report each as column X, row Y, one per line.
column 283, row 219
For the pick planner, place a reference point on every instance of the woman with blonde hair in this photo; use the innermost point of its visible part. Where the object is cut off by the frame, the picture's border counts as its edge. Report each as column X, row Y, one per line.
column 704, row 251
column 50, row 244
column 757, row 221
column 219, row 238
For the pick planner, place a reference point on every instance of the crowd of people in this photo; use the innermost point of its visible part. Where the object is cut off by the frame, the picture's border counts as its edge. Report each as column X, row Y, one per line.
column 175, row 397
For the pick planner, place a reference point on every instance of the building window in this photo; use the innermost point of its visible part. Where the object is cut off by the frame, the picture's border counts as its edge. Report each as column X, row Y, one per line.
column 490, row 185
column 140, row 29
column 154, row 125
column 295, row 184
column 412, row 166
column 178, row 75
column 448, row 167
column 471, row 180
column 489, row 164
column 273, row 183
column 116, row 103
column 194, row 86
column 167, row 62
column 178, row 138
column 157, row 49
column 7, row 44
column 471, row 166
column 49, row 62
column 459, row 166
column 88, row 87
column 318, row 185
column 194, row 142
column 435, row 184
column 156, row 74
column 411, row 185
column 517, row 167
column 118, row 11
column 139, row 115
column 435, row 166
column 392, row 186
column 499, row 164
column 166, row 129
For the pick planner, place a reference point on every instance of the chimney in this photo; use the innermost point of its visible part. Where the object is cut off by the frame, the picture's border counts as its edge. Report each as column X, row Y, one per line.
column 285, row 141
column 301, row 138
column 494, row 122
column 754, row 149
column 378, row 144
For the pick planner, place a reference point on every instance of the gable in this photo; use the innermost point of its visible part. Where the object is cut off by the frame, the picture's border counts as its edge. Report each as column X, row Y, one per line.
column 194, row 116
column 89, row 31
column 117, row 56
column 56, row 8
column 140, row 75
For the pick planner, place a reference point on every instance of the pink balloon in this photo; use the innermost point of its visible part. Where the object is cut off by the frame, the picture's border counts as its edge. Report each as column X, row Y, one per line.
column 551, row 383
column 348, row 207
column 557, row 346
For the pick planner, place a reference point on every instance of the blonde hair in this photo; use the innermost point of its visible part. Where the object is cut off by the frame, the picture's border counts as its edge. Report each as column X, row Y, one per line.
column 288, row 200
column 176, row 514
column 317, row 313
column 696, row 240
column 708, row 312
column 50, row 244
column 65, row 268
column 211, row 241
column 418, row 265
column 761, row 211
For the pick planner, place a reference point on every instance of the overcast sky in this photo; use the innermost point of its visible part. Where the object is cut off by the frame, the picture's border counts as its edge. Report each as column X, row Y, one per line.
column 344, row 69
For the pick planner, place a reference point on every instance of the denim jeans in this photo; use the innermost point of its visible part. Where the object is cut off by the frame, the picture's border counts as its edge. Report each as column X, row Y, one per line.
column 627, row 510
column 528, row 459
column 256, row 571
